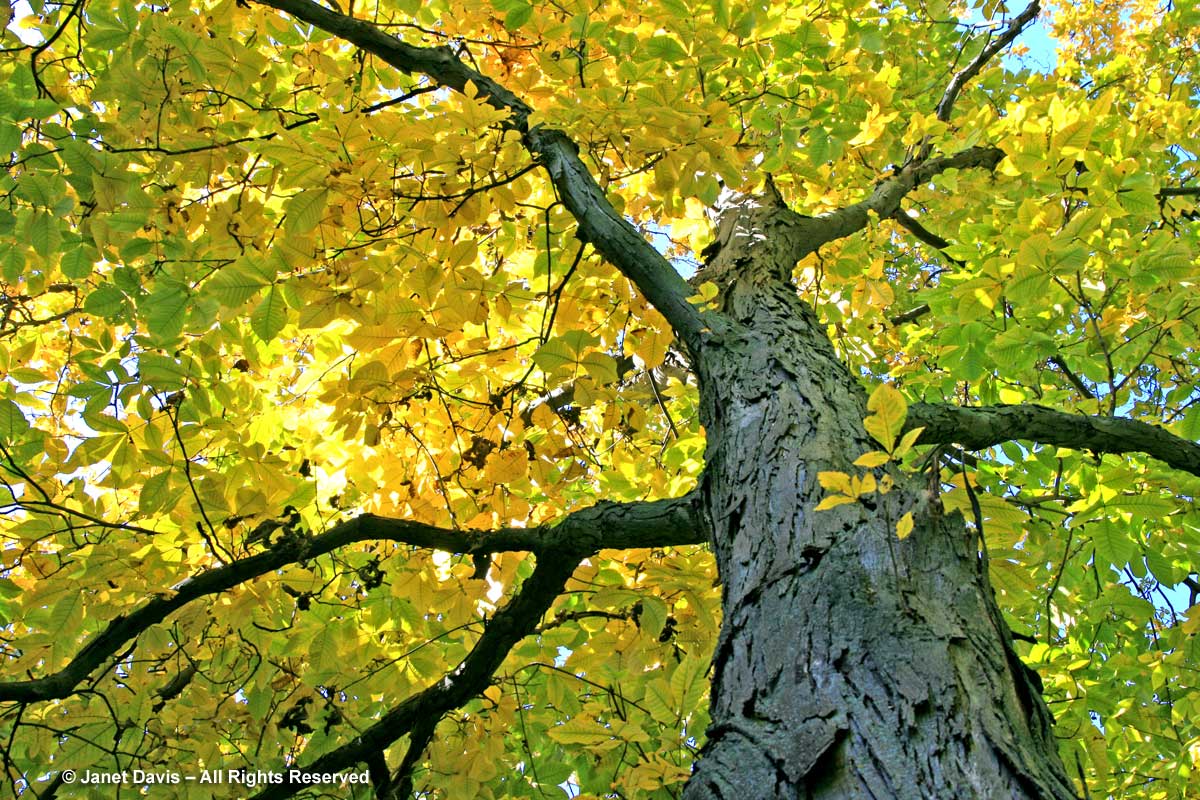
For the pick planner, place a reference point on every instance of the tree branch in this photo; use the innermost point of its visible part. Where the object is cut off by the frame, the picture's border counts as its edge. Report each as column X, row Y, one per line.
column 923, row 234
column 1017, row 24
column 418, row 740
column 884, row 200
column 1075, row 380
column 977, row 428
column 509, row 625
column 912, row 315
column 660, row 523
column 599, row 223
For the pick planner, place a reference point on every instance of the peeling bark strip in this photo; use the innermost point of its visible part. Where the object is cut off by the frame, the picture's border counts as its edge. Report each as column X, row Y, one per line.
column 850, row 664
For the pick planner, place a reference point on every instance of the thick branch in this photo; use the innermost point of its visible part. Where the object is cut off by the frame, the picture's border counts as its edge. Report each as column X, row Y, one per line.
column 977, row 428
column 1017, row 24
column 599, row 223
column 509, row 625
column 605, row 525
column 884, row 200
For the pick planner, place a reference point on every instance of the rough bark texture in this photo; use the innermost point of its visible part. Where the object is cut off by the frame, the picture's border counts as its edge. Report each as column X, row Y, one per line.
column 850, row 664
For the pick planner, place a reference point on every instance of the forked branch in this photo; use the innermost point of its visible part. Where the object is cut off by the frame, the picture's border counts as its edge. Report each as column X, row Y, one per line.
column 1017, row 24
column 509, row 625
column 660, row 523
column 884, row 200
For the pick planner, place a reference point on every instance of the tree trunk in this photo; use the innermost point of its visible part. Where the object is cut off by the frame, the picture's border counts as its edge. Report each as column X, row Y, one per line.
column 850, row 664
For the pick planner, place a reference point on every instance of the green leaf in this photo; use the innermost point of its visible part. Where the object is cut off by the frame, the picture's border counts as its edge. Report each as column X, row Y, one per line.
column 583, row 732
column 518, row 16
column 237, row 283
column 304, row 211
column 65, row 617
column 1112, row 542
column 163, row 373
column 270, row 317
column 105, row 301
column 44, row 234
column 561, row 355
column 166, row 309
column 12, row 422
column 660, row 702
column 666, row 48
column 155, row 494
column 77, row 262
column 1189, row 426
column 687, row 682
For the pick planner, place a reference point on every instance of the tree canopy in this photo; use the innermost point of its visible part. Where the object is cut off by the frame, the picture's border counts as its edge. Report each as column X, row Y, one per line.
column 319, row 319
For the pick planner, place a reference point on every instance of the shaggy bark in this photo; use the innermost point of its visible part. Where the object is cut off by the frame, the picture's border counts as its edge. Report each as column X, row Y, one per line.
column 850, row 664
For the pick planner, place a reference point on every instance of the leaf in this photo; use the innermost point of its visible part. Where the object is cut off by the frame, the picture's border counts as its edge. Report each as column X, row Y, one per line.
column 270, row 316
column 660, row 701
column 705, row 296
column 889, row 412
column 105, row 301
column 506, row 466
column 155, row 494
column 904, row 526
column 687, row 682
column 561, row 356
column 12, row 421
column 906, row 442
column 163, row 373
column 835, row 481
column 166, row 309
column 77, row 262
column 518, row 16
column 584, row 732
column 237, row 283
column 305, row 210
column 666, row 48
column 872, row 459
column 833, row 501
column 1112, row 543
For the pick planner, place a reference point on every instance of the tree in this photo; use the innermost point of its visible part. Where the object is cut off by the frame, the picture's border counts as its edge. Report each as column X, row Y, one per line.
column 357, row 415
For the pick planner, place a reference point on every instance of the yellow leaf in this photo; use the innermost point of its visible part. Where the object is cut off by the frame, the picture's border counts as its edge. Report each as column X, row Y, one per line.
column 871, row 459
column 706, row 294
column 506, row 466
column 904, row 526
column 833, row 501
column 906, row 442
column 889, row 410
column 835, row 481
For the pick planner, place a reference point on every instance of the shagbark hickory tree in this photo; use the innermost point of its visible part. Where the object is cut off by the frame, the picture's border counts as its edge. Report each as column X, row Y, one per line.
column 356, row 416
